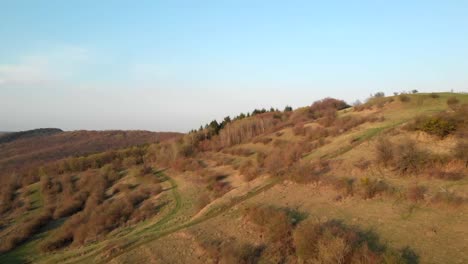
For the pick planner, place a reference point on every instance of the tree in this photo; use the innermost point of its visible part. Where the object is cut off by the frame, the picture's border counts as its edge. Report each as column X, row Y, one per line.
column 288, row 108
column 214, row 127
column 379, row 94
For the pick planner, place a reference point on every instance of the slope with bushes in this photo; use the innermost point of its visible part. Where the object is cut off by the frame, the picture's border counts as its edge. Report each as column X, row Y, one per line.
column 381, row 182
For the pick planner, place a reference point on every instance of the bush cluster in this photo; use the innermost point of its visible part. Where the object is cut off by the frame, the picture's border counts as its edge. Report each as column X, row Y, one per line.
column 315, row 242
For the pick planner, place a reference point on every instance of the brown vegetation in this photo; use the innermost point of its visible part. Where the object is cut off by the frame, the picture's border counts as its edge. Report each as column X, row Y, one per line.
column 416, row 193
column 25, row 155
column 25, row 230
column 333, row 242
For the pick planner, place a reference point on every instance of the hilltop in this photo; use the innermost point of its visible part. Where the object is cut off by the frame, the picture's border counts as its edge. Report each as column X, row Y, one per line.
column 12, row 136
column 379, row 182
column 23, row 152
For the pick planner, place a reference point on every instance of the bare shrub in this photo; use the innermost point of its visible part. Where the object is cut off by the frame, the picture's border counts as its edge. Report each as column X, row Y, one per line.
column 231, row 251
column 461, row 152
column 248, row 170
column 409, row 158
column 299, row 129
column 239, row 152
column 275, row 163
column 263, row 140
column 452, row 101
column 236, row 253
column 121, row 187
column 363, row 164
column 186, row 164
column 307, row 172
column 56, row 241
column 404, row 98
column 69, row 206
column 317, row 133
column 138, row 195
column 369, row 188
column 333, row 242
column 216, row 185
column 274, row 222
column 446, row 197
column 443, row 174
column 145, row 211
column 416, row 193
column 344, row 185
column 332, row 250
column 384, row 151
column 7, row 193
column 65, row 234
column 261, row 159
column 25, row 230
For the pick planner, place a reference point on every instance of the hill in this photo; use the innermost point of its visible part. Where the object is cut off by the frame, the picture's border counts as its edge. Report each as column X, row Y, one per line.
column 8, row 137
column 380, row 182
column 24, row 151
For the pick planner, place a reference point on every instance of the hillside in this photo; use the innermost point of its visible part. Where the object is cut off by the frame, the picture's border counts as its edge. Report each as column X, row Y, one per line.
column 8, row 137
column 22, row 152
column 381, row 182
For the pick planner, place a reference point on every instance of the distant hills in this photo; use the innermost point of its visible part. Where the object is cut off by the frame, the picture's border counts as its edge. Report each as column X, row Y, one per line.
column 20, row 151
column 6, row 137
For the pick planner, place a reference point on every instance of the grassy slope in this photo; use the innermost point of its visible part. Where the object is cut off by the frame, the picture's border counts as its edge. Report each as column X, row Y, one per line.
column 399, row 223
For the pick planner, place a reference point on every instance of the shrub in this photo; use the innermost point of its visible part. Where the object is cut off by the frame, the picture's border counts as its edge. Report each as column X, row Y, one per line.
column 56, row 241
column 274, row 222
column 307, row 172
column 25, row 230
column 440, row 125
column 7, row 194
column 68, row 207
column 452, row 175
column 379, row 94
column 369, row 188
column 317, row 133
column 333, row 242
column 235, row 253
column 138, row 195
column 216, row 185
column 344, row 185
column 248, row 170
column 461, row 152
column 447, row 197
column 65, row 234
column 263, row 140
column 363, row 164
column 261, row 159
column 384, row 151
column 404, row 98
column 145, row 211
column 452, row 101
column 416, row 193
column 230, row 252
column 409, row 158
column 434, row 95
column 275, row 163
column 299, row 129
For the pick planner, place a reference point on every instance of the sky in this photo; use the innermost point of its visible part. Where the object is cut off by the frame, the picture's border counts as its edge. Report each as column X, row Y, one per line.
column 174, row 65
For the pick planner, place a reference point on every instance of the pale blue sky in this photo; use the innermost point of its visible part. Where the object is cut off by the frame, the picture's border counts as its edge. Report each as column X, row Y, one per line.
column 173, row 65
